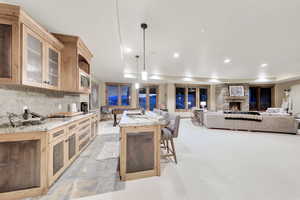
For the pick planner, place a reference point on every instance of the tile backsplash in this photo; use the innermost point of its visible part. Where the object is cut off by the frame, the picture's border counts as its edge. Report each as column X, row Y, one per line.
column 14, row 98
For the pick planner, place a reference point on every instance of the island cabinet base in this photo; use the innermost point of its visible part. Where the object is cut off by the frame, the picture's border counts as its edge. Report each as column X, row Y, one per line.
column 140, row 152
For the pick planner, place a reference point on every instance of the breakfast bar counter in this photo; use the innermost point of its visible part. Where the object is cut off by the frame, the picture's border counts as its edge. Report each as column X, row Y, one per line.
column 140, row 145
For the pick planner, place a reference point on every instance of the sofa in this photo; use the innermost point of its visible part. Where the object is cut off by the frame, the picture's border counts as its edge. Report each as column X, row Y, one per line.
column 269, row 123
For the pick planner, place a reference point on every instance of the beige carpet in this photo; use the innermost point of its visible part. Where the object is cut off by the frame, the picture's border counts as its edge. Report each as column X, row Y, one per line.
column 222, row 165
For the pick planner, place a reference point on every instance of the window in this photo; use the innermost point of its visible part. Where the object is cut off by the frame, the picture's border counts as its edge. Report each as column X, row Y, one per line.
column 143, row 98
column 253, row 100
column 152, row 98
column 260, row 98
column 113, row 95
column 125, row 95
column 180, row 98
column 189, row 97
column 265, row 98
column 203, row 96
column 148, row 97
column 118, row 94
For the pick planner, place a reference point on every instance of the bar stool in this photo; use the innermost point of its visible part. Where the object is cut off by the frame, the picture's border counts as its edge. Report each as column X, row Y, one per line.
column 168, row 134
column 106, row 112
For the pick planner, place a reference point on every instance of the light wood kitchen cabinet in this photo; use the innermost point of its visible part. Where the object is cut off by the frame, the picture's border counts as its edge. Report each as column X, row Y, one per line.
column 33, row 54
column 9, row 41
column 29, row 54
column 65, row 144
column 94, row 126
column 57, row 155
column 140, row 151
column 76, row 62
column 5, row 51
column 72, row 142
column 53, row 61
column 40, row 158
column 84, row 134
column 23, row 165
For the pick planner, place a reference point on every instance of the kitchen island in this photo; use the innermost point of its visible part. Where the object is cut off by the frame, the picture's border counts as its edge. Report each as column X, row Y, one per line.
column 33, row 157
column 140, row 145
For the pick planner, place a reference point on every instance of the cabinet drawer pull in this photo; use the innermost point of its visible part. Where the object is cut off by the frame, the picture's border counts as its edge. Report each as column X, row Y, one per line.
column 84, row 127
column 56, row 134
column 84, row 121
column 72, row 127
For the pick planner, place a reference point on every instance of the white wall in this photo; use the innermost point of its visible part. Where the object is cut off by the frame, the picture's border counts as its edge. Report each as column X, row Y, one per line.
column 295, row 95
column 171, row 97
column 279, row 91
column 212, row 98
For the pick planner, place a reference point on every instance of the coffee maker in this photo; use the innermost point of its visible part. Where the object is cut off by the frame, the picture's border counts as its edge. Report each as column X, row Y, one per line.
column 84, row 107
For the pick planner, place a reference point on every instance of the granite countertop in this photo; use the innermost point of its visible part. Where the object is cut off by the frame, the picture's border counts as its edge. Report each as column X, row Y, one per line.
column 148, row 119
column 46, row 125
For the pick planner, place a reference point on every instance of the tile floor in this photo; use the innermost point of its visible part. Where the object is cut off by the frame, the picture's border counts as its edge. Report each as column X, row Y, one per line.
column 213, row 165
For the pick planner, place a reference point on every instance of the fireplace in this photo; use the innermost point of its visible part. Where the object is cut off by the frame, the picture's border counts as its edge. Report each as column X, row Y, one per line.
column 235, row 106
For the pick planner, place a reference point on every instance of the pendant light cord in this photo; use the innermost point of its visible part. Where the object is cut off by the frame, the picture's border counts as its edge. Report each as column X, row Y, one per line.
column 144, row 26
column 137, row 66
column 119, row 28
column 144, row 49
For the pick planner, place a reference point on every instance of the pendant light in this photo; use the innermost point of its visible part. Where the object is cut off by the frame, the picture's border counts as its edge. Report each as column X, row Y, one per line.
column 137, row 84
column 144, row 26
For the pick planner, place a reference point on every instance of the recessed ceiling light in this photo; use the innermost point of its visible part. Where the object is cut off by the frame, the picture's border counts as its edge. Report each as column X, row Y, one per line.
column 214, row 77
column 227, row 60
column 129, row 76
column 187, row 79
column 264, row 65
column 213, row 80
column 262, row 79
column 155, row 77
column 127, row 50
column 176, row 55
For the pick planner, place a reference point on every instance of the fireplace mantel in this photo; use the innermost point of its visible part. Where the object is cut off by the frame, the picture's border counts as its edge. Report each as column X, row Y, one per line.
column 223, row 98
column 235, row 98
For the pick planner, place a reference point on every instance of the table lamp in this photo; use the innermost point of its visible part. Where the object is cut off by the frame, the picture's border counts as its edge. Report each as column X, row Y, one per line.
column 203, row 104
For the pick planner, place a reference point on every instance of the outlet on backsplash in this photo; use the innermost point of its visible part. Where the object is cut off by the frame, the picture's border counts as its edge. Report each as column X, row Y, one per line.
column 59, row 106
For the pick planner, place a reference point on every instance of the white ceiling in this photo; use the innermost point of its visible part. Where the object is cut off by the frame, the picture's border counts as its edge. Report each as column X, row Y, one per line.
column 203, row 32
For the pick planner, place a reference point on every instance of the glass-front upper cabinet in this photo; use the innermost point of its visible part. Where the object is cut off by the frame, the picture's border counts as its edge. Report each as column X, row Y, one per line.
column 9, row 51
column 53, row 69
column 33, row 50
column 6, row 51
column 29, row 54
